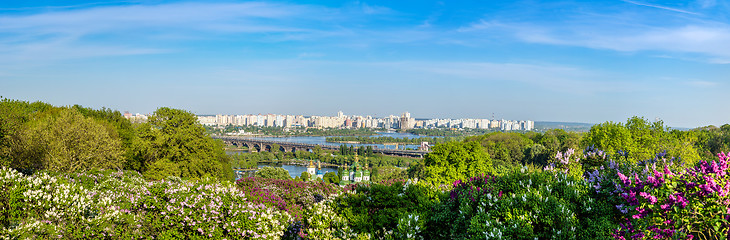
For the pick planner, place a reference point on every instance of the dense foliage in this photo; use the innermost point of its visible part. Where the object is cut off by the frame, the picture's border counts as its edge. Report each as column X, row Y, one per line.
column 38, row 136
column 167, row 180
column 521, row 204
column 273, row 173
column 64, row 140
column 455, row 160
column 380, row 209
column 640, row 139
column 712, row 140
column 122, row 205
column 666, row 200
column 286, row 195
column 173, row 143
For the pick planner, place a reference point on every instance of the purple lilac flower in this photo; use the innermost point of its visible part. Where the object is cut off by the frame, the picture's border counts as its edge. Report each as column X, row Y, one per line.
column 649, row 197
column 625, row 180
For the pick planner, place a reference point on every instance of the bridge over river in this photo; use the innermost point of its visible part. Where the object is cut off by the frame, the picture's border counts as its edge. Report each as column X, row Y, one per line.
column 256, row 145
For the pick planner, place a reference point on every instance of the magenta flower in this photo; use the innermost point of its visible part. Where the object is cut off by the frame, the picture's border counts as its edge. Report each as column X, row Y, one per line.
column 649, row 197
column 625, row 180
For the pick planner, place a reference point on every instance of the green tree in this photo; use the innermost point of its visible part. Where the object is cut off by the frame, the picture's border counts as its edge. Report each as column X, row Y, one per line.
column 114, row 121
column 504, row 148
column 14, row 115
column 642, row 140
column 610, row 137
column 537, row 155
column 712, row 140
column 331, row 177
column 306, row 176
column 273, row 173
column 455, row 160
column 66, row 141
column 172, row 142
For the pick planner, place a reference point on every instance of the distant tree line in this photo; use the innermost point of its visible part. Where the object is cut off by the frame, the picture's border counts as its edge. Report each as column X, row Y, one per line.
column 292, row 131
column 388, row 139
column 447, row 132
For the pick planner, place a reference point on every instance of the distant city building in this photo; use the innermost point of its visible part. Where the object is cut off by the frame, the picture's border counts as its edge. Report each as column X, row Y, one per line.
column 136, row 118
column 404, row 121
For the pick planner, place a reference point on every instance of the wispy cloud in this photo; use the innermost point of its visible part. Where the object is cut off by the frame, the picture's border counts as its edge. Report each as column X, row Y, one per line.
column 707, row 3
column 561, row 79
column 706, row 40
column 200, row 16
column 660, row 7
column 106, row 30
column 310, row 55
column 480, row 25
column 373, row 9
column 701, row 83
column 709, row 40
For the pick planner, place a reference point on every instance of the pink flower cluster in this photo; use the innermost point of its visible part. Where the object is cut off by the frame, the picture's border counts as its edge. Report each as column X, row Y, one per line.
column 286, row 195
column 656, row 200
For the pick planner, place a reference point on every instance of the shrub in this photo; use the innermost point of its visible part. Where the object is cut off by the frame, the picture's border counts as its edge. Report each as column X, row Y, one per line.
column 521, row 204
column 122, row 205
column 275, row 173
column 687, row 203
column 286, row 195
column 382, row 209
column 322, row 222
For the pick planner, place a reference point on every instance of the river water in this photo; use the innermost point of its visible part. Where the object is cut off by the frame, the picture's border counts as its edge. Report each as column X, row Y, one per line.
column 296, row 170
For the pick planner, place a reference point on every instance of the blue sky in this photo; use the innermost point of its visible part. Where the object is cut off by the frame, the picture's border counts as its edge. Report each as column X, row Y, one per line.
column 577, row 61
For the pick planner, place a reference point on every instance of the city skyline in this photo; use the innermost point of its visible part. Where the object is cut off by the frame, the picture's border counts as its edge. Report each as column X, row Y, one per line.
column 563, row 61
column 405, row 121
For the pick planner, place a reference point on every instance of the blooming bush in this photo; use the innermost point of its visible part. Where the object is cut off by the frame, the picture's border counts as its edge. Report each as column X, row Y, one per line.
column 522, row 204
column 287, row 195
column 567, row 163
column 387, row 211
column 657, row 198
column 121, row 205
column 322, row 222
column 687, row 203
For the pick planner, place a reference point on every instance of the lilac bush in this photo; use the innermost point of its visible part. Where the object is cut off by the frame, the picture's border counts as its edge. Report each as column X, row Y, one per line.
column 567, row 162
column 122, row 205
column 524, row 204
column 662, row 199
column 287, row 195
